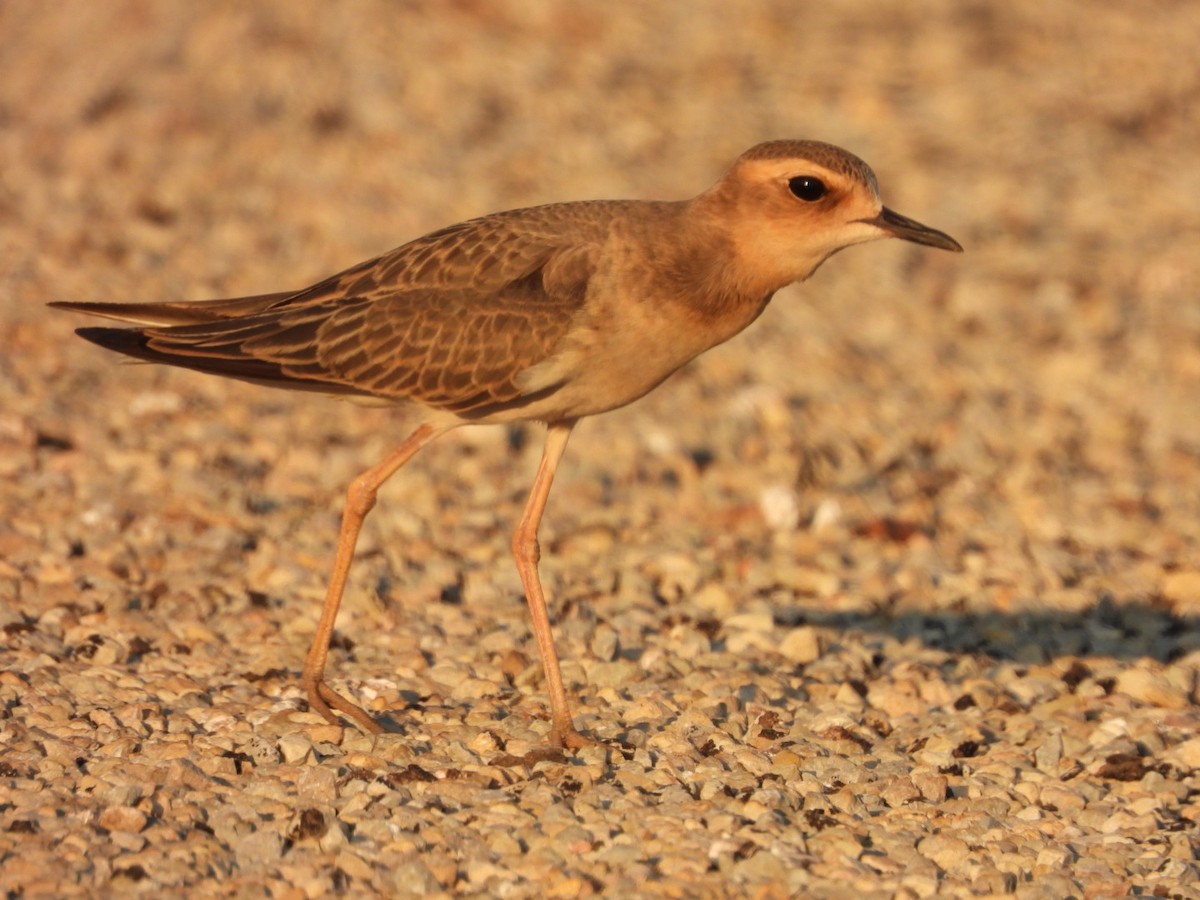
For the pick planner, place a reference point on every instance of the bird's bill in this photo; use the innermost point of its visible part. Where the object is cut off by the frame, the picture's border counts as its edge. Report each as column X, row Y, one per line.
column 908, row 229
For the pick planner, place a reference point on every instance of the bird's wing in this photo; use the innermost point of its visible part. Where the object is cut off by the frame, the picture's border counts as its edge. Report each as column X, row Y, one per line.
column 450, row 320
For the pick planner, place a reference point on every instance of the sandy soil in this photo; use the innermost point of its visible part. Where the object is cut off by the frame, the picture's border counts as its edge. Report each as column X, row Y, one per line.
column 893, row 595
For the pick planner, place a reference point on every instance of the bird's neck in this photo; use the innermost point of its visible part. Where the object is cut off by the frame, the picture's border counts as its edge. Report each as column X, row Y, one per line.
column 710, row 276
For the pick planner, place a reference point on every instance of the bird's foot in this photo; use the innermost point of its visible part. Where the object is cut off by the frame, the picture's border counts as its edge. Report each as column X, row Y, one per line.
column 324, row 700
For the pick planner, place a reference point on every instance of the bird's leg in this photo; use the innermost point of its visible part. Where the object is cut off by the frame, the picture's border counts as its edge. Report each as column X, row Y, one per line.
column 527, row 552
column 360, row 498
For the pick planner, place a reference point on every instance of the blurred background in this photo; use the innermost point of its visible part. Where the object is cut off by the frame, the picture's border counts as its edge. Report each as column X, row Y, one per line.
column 1031, row 399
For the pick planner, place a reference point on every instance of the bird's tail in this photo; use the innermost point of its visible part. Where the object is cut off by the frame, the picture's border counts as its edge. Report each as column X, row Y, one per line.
column 193, row 312
column 205, row 336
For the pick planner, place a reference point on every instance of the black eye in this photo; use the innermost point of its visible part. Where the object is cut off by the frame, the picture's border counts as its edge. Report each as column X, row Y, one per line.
column 807, row 188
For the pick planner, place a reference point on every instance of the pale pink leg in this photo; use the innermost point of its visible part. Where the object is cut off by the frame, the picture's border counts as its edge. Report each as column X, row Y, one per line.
column 360, row 498
column 527, row 553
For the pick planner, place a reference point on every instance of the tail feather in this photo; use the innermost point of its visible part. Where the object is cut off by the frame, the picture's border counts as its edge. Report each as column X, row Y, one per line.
column 186, row 313
column 135, row 343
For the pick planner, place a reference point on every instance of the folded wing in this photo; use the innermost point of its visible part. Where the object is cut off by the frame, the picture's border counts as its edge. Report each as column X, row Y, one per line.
column 449, row 321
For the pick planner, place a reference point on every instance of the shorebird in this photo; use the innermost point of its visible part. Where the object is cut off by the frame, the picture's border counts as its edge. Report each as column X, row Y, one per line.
column 550, row 313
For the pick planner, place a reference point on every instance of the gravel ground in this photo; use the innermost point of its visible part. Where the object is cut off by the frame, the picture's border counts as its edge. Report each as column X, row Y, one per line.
column 895, row 595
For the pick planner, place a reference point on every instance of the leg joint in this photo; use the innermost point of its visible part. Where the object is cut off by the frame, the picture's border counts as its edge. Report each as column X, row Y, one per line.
column 525, row 546
column 360, row 496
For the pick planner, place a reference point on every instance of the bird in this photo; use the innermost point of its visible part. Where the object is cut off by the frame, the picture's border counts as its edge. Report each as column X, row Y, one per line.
column 548, row 313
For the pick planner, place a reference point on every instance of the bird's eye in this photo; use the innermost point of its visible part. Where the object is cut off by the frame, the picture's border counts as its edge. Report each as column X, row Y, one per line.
column 807, row 188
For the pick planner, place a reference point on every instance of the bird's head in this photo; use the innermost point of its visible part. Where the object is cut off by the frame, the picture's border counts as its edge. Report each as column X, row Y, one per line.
column 789, row 205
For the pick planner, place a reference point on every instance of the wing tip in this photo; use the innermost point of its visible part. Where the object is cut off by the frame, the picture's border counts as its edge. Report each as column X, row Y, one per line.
column 130, row 341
